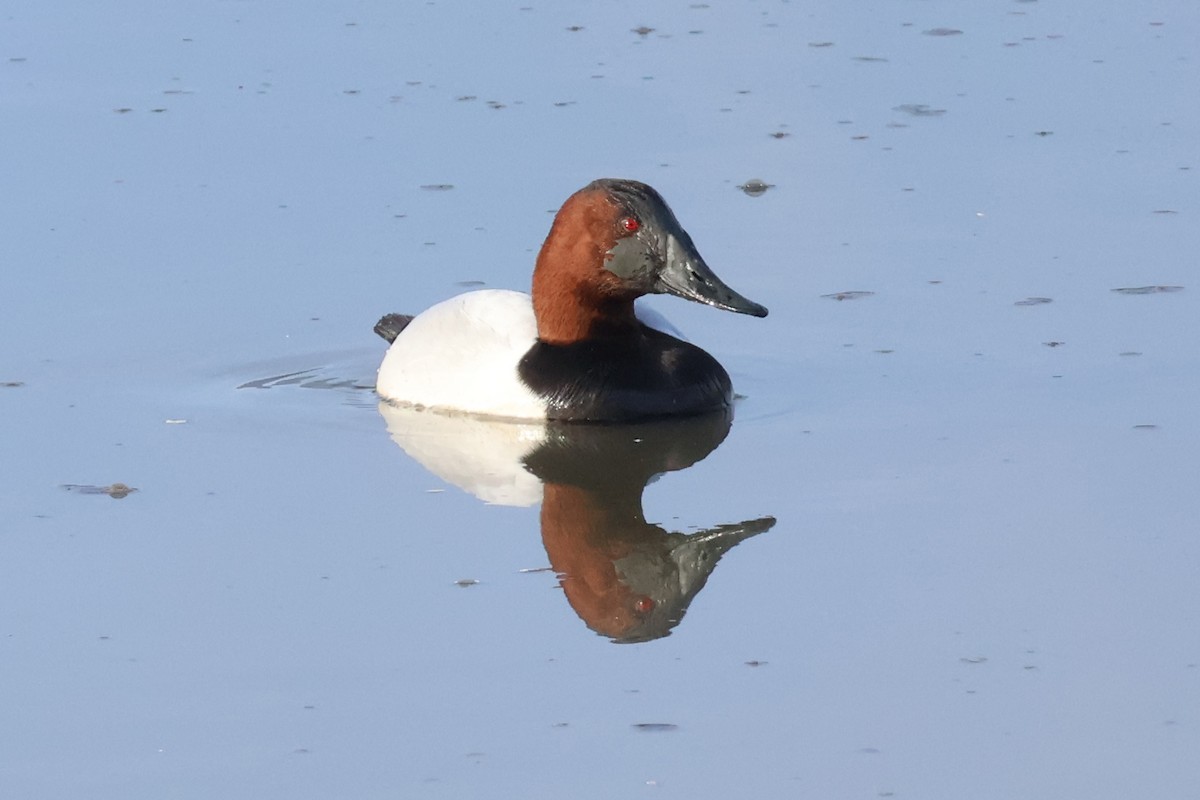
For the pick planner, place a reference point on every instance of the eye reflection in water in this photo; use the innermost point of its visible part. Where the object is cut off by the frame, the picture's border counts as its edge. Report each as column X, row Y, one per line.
column 626, row 578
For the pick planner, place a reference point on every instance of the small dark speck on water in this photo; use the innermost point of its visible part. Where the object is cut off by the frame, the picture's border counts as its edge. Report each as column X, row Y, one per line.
column 116, row 491
column 12, row 384
column 975, row 660
column 1164, row 211
column 437, row 187
column 1148, row 289
column 1145, row 427
column 1033, row 301
column 919, row 110
column 942, row 32
column 1129, row 353
column 755, row 187
column 465, row 582
column 851, row 295
column 756, row 663
column 642, row 30
column 655, row 727
column 1043, row 133
column 1054, row 344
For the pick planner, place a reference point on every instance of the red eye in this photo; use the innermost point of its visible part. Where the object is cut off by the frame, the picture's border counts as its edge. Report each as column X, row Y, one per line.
column 630, row 224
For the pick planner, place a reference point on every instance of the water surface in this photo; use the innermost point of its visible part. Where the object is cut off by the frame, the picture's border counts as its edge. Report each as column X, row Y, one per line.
column 963, row 463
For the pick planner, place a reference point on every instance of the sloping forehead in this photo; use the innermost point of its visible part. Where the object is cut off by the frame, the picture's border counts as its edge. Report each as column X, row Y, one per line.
column 632, row 196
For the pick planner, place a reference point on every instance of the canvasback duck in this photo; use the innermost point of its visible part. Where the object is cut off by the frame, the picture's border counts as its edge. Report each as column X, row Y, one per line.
column 576, row 350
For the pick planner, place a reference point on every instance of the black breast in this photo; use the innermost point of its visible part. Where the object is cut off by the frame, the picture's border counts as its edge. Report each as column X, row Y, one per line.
column 621, row 379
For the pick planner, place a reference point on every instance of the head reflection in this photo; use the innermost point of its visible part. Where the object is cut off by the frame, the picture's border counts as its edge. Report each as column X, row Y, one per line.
column 626, row 578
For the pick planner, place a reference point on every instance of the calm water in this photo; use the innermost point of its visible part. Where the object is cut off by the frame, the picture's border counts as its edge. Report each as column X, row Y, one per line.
column 947, row 547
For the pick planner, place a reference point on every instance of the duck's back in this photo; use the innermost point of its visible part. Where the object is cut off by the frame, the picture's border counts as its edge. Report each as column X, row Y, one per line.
column 462, row 354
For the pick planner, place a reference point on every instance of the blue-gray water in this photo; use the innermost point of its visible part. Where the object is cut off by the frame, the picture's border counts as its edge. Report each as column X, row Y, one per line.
column 981, row 578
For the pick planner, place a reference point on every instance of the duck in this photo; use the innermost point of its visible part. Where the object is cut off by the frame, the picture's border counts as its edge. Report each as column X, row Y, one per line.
column 577, row 348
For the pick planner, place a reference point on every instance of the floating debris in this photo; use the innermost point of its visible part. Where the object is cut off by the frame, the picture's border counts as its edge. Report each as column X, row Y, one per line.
column 12, row 384
column 465, row 582
column 975, row 660
column 942, row 32
column 919, row 110
column 755, row 187
column 1033, row 301
column 756, row 663
column 1054, row 344
column 1148, row 289
column 851, row 295
column 116, row 490
column 437, row 187
column 642, row 30
column 1145, row 427
column 871, row 59
column 820, row 44
column 655, row 727
column 175, row 421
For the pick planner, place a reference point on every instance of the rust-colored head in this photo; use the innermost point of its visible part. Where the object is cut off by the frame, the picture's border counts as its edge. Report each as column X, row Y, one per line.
column 612, row 242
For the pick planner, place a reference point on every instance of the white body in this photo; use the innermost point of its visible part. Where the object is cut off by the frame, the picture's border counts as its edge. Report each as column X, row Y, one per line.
column 461, row 355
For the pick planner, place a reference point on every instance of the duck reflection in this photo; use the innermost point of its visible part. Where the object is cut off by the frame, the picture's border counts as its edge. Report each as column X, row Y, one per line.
column 626, row 578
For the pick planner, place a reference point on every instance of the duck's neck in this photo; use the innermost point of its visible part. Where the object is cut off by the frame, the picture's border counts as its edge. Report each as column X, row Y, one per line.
column 574, row 297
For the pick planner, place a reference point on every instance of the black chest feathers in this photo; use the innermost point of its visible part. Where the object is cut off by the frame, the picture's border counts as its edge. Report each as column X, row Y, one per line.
column 625, row 378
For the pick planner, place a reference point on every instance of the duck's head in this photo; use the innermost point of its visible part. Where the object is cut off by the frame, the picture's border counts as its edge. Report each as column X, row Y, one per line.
column 612, row 242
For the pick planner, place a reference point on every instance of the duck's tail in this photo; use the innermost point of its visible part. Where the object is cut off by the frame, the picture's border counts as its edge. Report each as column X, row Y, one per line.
column 390, row 325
